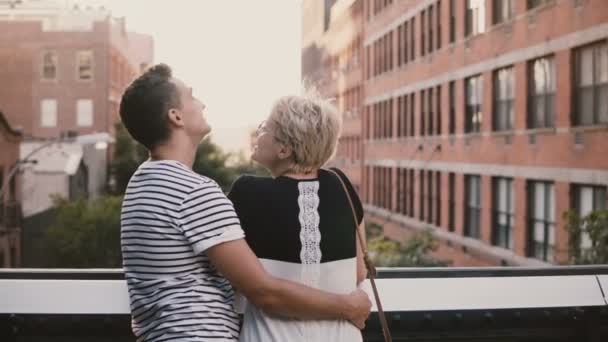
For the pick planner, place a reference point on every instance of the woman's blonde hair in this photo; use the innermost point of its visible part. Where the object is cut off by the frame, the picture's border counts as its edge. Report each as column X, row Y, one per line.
column 310, row 125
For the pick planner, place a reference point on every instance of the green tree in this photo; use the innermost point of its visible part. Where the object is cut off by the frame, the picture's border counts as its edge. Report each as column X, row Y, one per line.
column 594, row 225
column 413, row 252
column 85, row 234
column 210, row 161
column 128, row 154
column 224, row 168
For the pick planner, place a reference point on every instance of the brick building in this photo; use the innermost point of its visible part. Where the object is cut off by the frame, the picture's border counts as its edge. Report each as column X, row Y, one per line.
column 484, row 121
column 67, row 66
column 10, row 199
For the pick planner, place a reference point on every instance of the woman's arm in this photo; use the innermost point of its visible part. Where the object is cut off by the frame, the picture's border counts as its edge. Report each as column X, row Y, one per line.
column 361, row 269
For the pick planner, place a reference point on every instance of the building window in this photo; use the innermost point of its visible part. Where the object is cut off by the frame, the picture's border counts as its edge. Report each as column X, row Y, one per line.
column 399, row 45
column 452, row 201
column 431, row 112
column 367, row 61
column 503, row 11
column 388, row 188
column 430, row 198
column 438, row 109
column 422, row 33
column 48, row 113
column 504, row 93
column 421, row 195
column 452, row 21
column 405, row 42
column 587, row 199
column 438, row 198
column 402, row 194
column 390, row 44
column 412, row 116
column 592, row 84
column 439, row 20
column 472, row 219
column 85, row 65
column 413, row 39
column 430, row 26
column 49, row 66
column 411, row 194
column 535, row 3
column 474, row 96
column 402, row 116
column 390, row 115
column 84, row 113
column 542, row 220
column 541, row 90
column 422, row 112
column 503, row 218
column 452, row 116
column 475, row 17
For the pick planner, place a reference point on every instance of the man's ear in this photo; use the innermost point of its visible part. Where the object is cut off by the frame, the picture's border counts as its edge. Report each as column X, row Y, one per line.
column 175, row 117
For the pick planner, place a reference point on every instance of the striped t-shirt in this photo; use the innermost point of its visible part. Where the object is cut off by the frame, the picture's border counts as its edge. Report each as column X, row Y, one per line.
column 170, row 216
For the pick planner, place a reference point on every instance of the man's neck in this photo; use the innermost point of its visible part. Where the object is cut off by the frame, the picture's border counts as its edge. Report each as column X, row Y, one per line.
column 178, row 150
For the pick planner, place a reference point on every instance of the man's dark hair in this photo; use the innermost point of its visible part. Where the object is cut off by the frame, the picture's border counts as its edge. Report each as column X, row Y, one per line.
column 145, row 103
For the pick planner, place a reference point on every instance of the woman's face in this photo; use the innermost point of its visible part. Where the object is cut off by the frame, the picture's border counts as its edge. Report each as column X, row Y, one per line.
column 266, row 147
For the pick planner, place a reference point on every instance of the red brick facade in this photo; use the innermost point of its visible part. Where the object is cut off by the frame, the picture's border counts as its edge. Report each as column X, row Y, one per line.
column 416, row 176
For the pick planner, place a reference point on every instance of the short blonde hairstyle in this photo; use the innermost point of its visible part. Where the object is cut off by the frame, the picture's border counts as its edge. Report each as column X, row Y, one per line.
column 310, row 125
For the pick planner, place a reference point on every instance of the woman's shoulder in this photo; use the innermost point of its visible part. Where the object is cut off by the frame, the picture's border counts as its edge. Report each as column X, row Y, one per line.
column 332, row 171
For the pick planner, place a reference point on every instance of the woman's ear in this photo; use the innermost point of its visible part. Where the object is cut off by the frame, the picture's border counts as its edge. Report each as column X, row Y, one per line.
column 285, row 152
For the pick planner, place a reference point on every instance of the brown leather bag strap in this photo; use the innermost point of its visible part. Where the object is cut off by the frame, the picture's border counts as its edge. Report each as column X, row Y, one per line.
column 371, row 269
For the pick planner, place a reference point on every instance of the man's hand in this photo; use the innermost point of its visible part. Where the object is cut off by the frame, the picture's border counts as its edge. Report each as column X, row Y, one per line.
column 361, row 306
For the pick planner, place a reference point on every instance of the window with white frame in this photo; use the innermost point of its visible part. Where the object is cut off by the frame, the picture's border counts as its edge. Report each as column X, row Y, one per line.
column 472, row 222
column 49, row 65
column 475, row 17
column 541, row 93
column 592, row 84
column 84, row 60
column 84, row 112
column 504, row 93
column 587, row 199
column 474, row 99
column 504, row 213
column 48, row 113
column 542, row 220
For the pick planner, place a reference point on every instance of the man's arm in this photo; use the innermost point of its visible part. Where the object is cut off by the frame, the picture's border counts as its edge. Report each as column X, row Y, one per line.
column 236, row 261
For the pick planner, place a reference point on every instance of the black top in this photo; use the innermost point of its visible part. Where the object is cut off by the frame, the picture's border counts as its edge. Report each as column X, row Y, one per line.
column 269, row 213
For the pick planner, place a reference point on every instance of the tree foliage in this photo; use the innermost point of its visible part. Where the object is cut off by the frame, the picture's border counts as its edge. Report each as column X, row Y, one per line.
column 85, row 234
column 595, row 226
column 413, row 252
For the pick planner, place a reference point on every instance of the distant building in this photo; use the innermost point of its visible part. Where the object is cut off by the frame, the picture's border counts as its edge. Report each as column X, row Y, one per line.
column 67, row 65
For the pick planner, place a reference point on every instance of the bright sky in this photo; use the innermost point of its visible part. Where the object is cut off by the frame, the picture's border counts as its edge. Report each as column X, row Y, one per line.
column 238, row 55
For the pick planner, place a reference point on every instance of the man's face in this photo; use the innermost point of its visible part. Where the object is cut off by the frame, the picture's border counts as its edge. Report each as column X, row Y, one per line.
column 192, row 111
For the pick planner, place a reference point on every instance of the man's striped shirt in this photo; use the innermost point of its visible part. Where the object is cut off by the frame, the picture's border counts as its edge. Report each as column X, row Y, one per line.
column 170, row 217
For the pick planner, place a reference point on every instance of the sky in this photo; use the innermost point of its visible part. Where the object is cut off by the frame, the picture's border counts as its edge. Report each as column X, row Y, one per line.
column 239, row 56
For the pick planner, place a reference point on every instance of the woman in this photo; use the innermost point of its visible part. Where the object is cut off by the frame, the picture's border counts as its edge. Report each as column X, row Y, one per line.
column 299, row 221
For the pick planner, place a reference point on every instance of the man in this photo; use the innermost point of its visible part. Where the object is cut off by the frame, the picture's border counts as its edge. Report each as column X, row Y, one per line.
column 182, row 243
